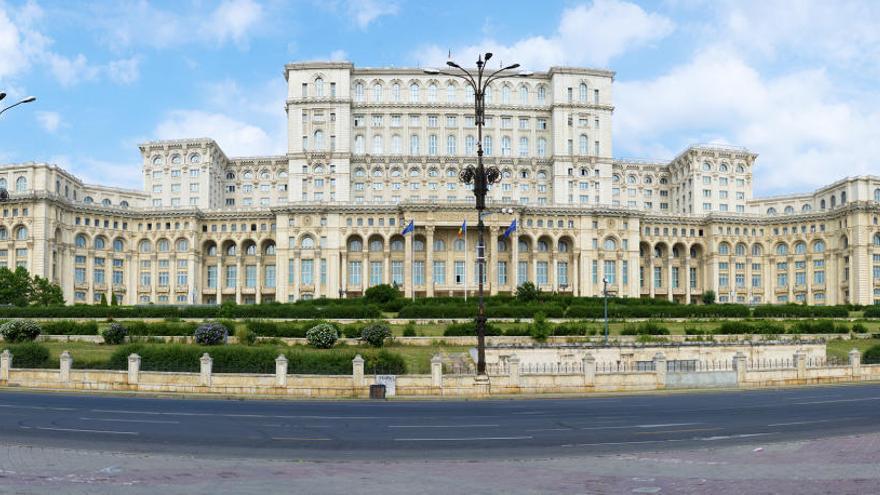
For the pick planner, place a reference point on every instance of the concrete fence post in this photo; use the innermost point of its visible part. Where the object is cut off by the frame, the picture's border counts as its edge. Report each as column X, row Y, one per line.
column 800, row 363
column 589, row 365
column 5, row 365
column 739, row 365
column 281, row 371
column 513, row 370
column 205, row 370
column 436, row 371
column 357, row 371
column 66, row 364
column 660, row 369
column 855, row 361
column 134, row 368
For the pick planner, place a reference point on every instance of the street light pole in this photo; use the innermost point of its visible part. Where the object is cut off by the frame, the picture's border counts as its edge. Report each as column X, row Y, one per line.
column 29, row 99
column 605, row 293
column 481, row 177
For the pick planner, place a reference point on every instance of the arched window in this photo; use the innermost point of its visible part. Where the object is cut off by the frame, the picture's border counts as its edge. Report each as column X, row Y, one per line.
column 789, row 210
column 724, row 248
column 359, row 144
column 397, row 245
column 269, row 250
column 523, row 246
column 582, row 93
column 21, row 184
column 740, row 249
column 2, row 183
column 806, row 208
column 842, row 198
column 105, row 202
column 450, row 94
column 781, row 249
column 563, row 246
column 88, row 200
column 418, row 245
column 231, row 249
column 432, row 93
column 181, row 245
column 307, row 242
column 212, row 249
column 319, row 140
column 771, row 211
column 877, row 195
column 414, row 93
column 822, row 204
column 319, row 87
column 359, row 172
column 123, row 204
column 80, row 241
column 100, row 243
column 439, row 245
column 833, row 201
column 757, row 250
column 819, row 246
column 355, row 245
column 800, row 248
column 542, row 94
column 542, row 246
column 21, row 233
column 395, row 92
column 740, row 169
column 377, row 92
column 610, row 244
column 583, row 144
column 118, row 245
column 505, row 94
column 230, row 175
column 376, row 245
column 250, row 249
column 458, row 245
column 163, row 245
column 359, row 92
column 145, row 246
column 707, row 167
column 523, row 95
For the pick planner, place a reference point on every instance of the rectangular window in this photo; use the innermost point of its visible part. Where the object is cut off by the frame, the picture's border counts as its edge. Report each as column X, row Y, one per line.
column 675, row 277
column 307, row 272
column 375, row 273
column 595, row 272
column 522, row 272
column 79, row 275
column 562, row 274
column 658, row 277
column 440, row 272
column 624, row 270
column 323, row 274
column 182, row 279
column 459, row 273
column 250, row 276
column 212, row 276
column 610, row 271
column 269, row 276
column 163, row 279
column 693, row 278
column 542, row 273
column 354, row 273
column 118, row 277
column 740, row 280
column 800, row 278
column 819, row 277
column 418, row 273
column 502, row 273
column 397, row 273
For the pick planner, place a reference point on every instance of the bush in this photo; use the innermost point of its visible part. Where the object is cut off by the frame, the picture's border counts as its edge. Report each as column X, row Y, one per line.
column 409, row 330
column 114, row 334
column 800, row 311
column 527, row 292
column 859, row 328
column 872, row 355
column 245, row 336
column 68, row 327
column 572, row 328
column 20, row 331
column 322, row 336
column 375, row 334
column 211, row 333
column 141, row 328
column 822, row 326
column 708, row 297
column 468, row 329
column 540, row 328
column 381, row 294
column 645, row 328
column 29, row 355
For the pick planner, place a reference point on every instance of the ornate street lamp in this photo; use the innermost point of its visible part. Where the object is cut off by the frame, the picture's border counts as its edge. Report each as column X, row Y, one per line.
column 605, row 294
column 481, row 177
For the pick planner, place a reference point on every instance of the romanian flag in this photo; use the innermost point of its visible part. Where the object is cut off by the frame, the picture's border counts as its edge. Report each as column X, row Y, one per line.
column 462, row 231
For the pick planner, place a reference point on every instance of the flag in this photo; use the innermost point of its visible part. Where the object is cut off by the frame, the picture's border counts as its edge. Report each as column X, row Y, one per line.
column 409, row 228
column 510, row 229
column 462, row 230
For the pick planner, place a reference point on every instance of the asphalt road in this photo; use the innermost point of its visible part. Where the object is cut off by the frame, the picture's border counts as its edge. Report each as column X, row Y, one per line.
column 362, row 430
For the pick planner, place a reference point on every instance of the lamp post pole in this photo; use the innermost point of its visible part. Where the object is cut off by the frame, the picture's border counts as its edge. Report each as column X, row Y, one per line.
column 605, row 293
column 481, row 177
column 29, row 99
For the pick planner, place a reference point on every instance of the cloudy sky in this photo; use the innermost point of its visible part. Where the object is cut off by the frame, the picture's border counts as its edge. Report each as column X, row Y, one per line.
column 794, row 81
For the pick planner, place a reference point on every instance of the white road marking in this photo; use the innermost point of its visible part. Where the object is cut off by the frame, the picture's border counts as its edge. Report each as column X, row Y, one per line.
column 727, row 437
column 114, row 420
column 443, row 426
column 835, row 400
column 79, row 430
column 552, row 429
column 671, row 440
column 41, row 408
column 301, row 439
column 793, row 423
column 637, row 426
column 461, row 439
column 264, row 416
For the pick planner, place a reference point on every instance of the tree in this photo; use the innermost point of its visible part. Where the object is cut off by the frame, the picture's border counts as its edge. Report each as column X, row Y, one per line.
column 113, row 301
column 381, row 293
column 103, row 301
column 709, row 297
column 45, row 293
column 527, row 292
column 15, row 286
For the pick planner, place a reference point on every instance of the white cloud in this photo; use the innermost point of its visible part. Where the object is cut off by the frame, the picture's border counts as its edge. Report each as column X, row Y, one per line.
column 805, row 133
column 365, row 12
column 234, row 136
column 233, row 20
column 50, row 121
column 586, row 35
column 124, row 71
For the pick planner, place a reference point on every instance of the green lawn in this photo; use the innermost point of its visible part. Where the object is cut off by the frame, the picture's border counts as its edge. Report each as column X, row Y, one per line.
column 839, row 349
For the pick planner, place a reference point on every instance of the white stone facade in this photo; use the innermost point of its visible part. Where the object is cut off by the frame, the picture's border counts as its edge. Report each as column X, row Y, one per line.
column 371, row 149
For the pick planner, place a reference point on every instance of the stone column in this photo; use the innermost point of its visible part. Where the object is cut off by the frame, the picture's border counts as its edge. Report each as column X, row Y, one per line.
column 357, row 371
column 407, row 264
column 651, row 290
column 239, row 279
column 669, row 296
column 343, row 275
column 660, row 369
column 437, row 371
column 386, row 265
column 206, row 363
column 575, row 274
column 429, row 261
column 739, row 365
column 687, row 279
column 5, row 365
column 589, row 369
column 66, row 363
column 258, row 289
column 513, row 281
column 554, row 271
column 800, row 363
column 855, row 361
column 491, row 267
column 513, row 370
column 134, row 369
column 281, row 371
column 297, row 274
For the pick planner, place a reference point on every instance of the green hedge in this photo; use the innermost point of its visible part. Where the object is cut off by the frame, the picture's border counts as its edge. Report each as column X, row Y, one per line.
column 660, row 311
column 800, row 311
column 872, row 311
column 469, row 310
column 68, row 327
column 747, row 328
column 468, row 329
column 255, row 359
column 158, row 329
column 298, row 329
column 872, row 355
column 29, row 355
column 320, row 308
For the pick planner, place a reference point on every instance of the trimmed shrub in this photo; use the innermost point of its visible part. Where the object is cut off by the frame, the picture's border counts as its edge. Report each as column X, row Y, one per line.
column 20, row 331
column 144, row 329
column 468, row 329
column 245, row 336
column 375, row 334
column 872, row 311
column 821, row 326
column 114, row 334
column 800, row 311
column 381, row 294
column 322, row 336
column 859, row 328
column 527, row 292
column 68, row 327
column 645, row 328
column 409, row 330
column 518, row 331
column 540, row 328
column 211, row 333
column 30, row 355
column 872, row 355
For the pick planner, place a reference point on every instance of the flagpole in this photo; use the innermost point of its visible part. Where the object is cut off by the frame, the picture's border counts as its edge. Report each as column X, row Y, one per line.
column 465, row 261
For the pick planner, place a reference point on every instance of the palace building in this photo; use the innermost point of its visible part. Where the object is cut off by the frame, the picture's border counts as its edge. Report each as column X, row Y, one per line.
column 371, row 149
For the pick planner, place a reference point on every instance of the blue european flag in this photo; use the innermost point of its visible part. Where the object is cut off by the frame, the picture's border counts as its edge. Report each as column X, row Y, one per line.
column 510, row 229
column 409, row 228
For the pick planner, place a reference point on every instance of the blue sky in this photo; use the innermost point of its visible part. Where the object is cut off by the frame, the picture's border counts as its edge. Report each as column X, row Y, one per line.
column 794, row 81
